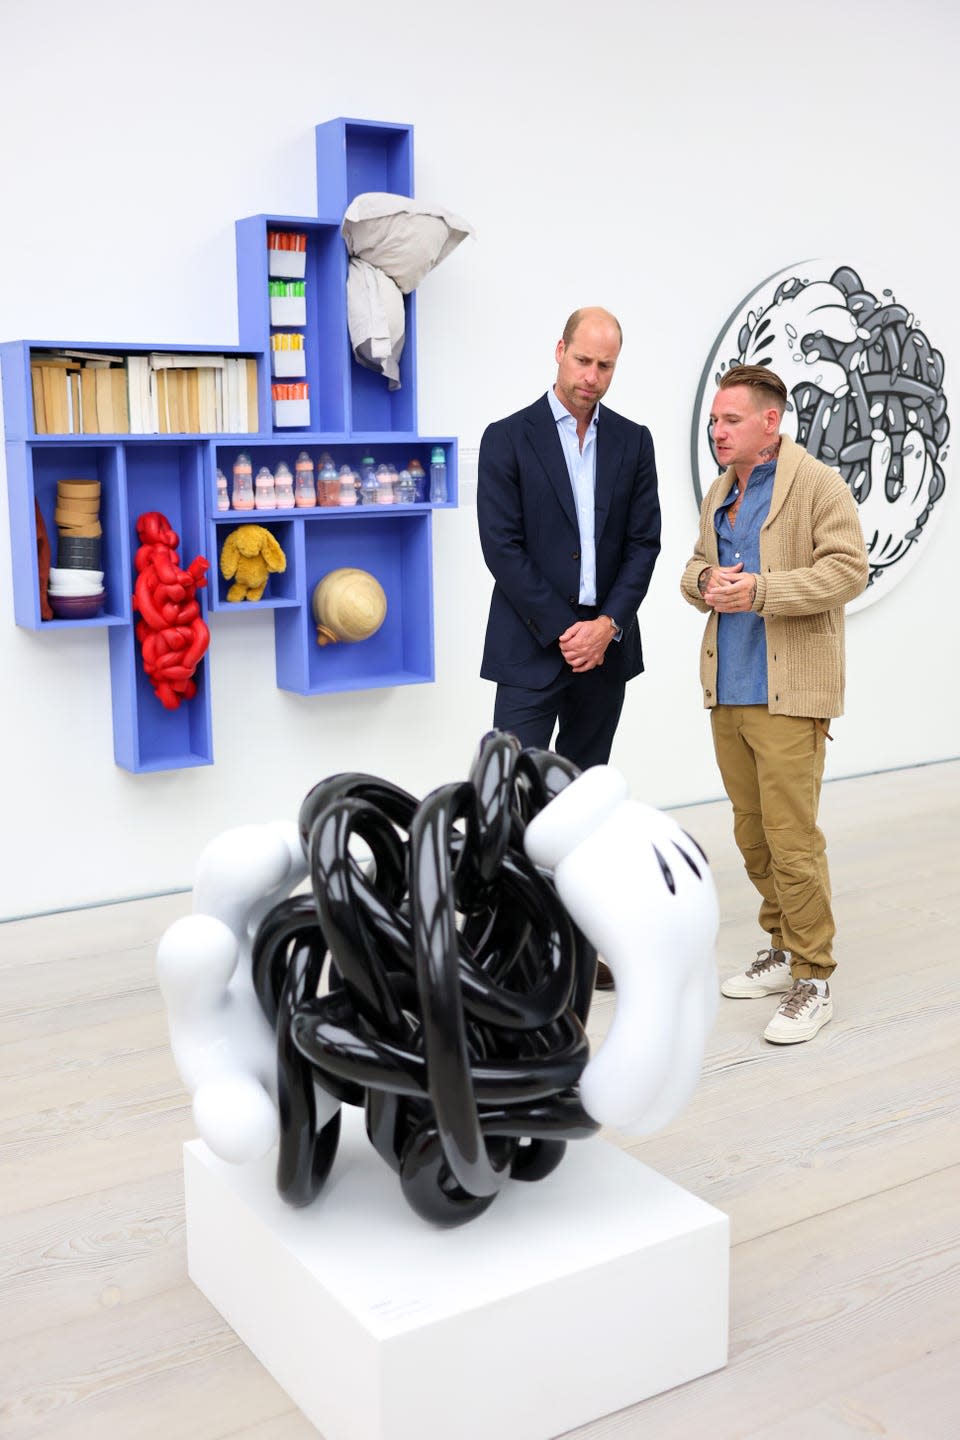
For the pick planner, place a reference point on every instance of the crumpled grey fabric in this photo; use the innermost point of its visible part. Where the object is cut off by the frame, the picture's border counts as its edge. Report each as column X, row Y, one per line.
column 393, row 243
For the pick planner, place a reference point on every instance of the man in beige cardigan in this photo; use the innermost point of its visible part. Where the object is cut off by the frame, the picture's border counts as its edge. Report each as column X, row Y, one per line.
column 779, row 554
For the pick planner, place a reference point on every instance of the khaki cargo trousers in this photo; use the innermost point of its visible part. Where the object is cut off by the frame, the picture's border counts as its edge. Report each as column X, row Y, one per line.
column 772, row 768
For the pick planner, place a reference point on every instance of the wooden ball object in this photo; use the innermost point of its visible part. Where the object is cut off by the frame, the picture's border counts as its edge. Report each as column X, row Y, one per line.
column 348, row 605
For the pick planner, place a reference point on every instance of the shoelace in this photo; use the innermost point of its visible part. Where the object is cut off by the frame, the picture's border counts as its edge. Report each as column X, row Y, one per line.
column 765, row 961
column 801, row 994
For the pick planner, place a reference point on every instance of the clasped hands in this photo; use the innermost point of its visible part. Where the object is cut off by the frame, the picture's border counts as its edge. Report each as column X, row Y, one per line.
column 726, row 588
column 584, row 643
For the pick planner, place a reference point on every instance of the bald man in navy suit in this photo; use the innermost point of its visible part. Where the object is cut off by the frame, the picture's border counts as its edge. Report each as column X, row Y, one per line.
column 570, row 530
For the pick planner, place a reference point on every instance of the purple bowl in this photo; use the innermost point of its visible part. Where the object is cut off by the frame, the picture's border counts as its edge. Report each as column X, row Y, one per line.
column 77, row 607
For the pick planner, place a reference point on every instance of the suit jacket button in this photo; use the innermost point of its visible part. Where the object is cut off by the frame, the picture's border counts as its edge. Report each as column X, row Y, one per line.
column 575, row 555
column 710, row 655
column 708, row 693
column 572, row 599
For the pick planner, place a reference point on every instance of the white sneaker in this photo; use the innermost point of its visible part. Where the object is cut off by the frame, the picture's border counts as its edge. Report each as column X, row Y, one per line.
column 799, row 1015
column 768, row 975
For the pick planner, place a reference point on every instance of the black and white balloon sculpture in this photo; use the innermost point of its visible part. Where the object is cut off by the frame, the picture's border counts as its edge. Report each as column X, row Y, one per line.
column 438, row 972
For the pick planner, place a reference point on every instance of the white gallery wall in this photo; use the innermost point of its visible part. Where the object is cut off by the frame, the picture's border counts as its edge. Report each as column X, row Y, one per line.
column 659, row 160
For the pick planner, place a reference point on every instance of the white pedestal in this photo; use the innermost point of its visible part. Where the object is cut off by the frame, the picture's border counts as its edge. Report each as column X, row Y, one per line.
column 569, row 1298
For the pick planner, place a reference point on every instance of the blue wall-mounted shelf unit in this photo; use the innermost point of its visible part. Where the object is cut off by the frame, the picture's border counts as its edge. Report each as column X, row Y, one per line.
column 351, row 412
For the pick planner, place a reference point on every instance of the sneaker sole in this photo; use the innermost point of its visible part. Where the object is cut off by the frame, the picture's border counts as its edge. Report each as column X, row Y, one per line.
column 732, row 991
column 797, row 1037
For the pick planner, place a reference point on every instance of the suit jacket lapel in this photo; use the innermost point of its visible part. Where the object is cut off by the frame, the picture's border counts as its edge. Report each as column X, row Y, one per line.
column 545, row 442
column 609, row 455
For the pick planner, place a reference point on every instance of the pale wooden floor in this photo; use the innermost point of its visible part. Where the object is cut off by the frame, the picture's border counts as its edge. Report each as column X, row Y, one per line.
column 838, row 1163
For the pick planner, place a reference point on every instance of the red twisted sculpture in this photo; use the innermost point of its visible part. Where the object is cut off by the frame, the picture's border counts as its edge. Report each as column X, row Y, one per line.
column 171, row 633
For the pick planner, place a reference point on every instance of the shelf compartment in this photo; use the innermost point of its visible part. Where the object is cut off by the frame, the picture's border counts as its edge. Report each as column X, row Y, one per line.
column 17, row 357
column 396, row 549
column 282, row 589
column 324, row 323
column 355, row 157
column 48, row 464
column 386, row 449
column 373, row 405
column 165, row 476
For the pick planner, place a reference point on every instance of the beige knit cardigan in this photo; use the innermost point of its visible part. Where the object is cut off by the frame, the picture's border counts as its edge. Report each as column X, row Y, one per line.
column 813, row 560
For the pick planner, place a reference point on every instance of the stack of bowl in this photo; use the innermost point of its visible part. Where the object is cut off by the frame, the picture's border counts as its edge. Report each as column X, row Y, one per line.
column 75, row 594
column 76, row 586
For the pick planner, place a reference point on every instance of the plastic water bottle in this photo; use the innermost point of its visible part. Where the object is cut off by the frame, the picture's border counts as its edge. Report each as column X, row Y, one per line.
column 305, row 492
column 369, row 490
column 438, row 476
column 328, row 484
column 242, row 482
column 419, row 477
column 406, row 489
column 264, row 490
column 348, row 486
column 386, row 481
column 284, row 485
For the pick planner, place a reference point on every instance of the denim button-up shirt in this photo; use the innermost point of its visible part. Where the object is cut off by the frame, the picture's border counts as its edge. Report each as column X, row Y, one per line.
column 741, row 638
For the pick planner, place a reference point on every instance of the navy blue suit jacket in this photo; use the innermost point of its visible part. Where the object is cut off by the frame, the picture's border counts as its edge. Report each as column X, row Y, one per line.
column 531, row 542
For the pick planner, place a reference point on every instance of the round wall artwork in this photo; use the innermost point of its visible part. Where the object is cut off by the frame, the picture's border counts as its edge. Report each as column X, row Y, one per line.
column 866, row 396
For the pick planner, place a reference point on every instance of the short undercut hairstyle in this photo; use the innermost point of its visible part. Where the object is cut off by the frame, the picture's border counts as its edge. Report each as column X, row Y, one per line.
column 770, row 389
column 572, row 325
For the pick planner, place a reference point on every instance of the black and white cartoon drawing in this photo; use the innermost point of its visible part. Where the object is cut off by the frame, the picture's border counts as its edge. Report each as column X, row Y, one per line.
column 866, row 397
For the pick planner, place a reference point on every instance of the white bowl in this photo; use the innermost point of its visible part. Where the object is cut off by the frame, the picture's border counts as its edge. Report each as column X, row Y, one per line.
column 93, row 579
column 82, row 587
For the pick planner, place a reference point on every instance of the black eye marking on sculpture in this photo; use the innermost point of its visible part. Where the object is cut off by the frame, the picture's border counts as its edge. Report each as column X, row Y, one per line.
column 666, row 872
column 698, row 847
column 680, row 851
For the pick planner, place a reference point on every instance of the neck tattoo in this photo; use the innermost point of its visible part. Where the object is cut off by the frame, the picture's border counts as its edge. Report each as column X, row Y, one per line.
column 770, row 452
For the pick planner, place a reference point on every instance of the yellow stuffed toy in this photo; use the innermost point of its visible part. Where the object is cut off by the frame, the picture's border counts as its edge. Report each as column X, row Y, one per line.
column 250, row 553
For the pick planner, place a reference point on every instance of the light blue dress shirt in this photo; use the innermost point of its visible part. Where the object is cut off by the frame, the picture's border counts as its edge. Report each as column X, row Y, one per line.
column 742, row 638
column 582, row 469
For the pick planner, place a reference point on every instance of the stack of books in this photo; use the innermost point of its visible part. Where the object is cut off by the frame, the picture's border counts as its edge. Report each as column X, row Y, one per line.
column 78, row 392
column 83, row 392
